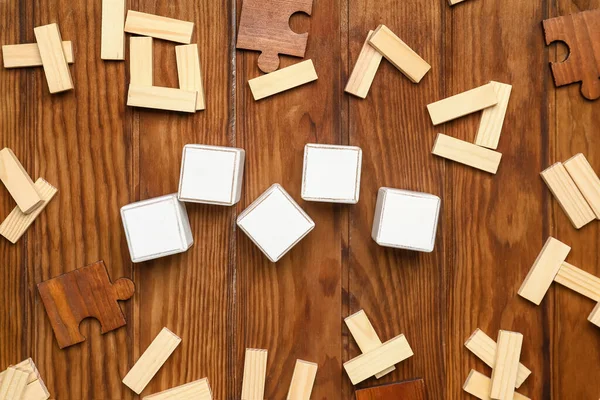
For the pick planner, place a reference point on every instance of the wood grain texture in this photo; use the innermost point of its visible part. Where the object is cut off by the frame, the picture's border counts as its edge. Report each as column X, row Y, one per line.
column 255, row 374
column 492, row 118
column 466, row 153
column 410, row 390
column 285, row 79
column 141, row 61
column 112, row 41
column 578, row 280
column 54, row 61
column 189, row 72
column 17, row 181
column 13, row 384
column 506, row 365
column 158, row 26
column 462, row 104
column 364, row 70
column 587, row 181
column 28, row 54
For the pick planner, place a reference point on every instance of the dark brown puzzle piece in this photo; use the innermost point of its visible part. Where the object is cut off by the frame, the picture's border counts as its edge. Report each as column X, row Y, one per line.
column 581, row 33
column 408, row 390
column 82, row 293
column 265, row 27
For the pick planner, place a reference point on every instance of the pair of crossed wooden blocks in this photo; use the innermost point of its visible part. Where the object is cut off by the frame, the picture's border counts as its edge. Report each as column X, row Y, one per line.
column 22, row 381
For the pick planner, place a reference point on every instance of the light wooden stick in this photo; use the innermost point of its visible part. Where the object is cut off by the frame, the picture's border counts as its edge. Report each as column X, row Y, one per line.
column 190, row 72
column 28, row 55
column 492, row 118
column 141, row 61
column 255, row 373
column 112, row 40
column 504, row 373
column 13, row 384
column 467, row 153
column 302, row 381
column 578, row 280
column 462, row 104
column 480, row 386
column 159, row 27
column 17, row 182
column 586, row 180
column 53, row 58
column 161, row 98
column 364, row 70
column 594, row 317
column 197, row 390
column 284, row 79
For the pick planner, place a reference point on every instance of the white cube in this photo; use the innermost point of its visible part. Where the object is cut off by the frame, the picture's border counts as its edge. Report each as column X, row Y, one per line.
column 156, row 228
column 275, row 222
column 211, row 174
column 331, row 173
column 405, row 219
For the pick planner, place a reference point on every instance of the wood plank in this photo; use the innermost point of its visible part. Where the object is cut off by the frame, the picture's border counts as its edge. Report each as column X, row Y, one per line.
column 112, row 40
column 462, row 104
column 506, row 366
column 159, row 27
column 17, row 182
column 28, row 54
column 58, row 75
column 141, row 61
column 492, row 118
column 586, row 180
column 284, row 79
column 303, row 380
column 578, row 280
column 197, row 390
column 466, row 153
column 255, row 374
column 364, row 70
column 480, row 386
column 190, row 73
column 13, row 384
column 161, row 98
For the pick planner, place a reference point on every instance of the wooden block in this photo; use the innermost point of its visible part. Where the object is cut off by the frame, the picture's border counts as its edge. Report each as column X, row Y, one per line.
column 568, row 195
column 152, row 360
column 190, row 72
column 364, row 70
column 586, row 180
column 408, row 390
column 24, row 366
column 453, row 2
column 17, row 182
column 35, row 389
column 282, row 80
column 141, row 61
column 467, row 153
column 255, row 373
column 594, row 317
column 485, row 348
column 303, row 380
column 492, row 118
column 17, row 223
column 53, row 58
column 579, row 281
column 112, row 41
column 159, row 27
column 13, row 384
column 504, row 373
column 480, row 386
column 161, row 98
column 197, row 390
column 399, row 54
column 28, row 55
column 462, row 104
column 368, row 364
column 365, row 336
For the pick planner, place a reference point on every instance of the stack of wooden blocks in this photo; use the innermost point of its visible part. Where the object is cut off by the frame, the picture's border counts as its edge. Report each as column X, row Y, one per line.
column 22, row 382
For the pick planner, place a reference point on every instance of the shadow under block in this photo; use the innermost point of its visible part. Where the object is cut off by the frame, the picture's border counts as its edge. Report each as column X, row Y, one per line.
column 504, row 373
column 594, row 317
column 285, row 79
column 53, row 58
column 568, row 195
column 399, row 53
column 35, row 389
column 303, row 380
column 82, row 293
column 17, row 182
column 255, row 374
column 112, row 41
column 161, row 98
column 586, row 180
column 462, row 104
column 492, row 118
column 13, row 384
column 467, row 153
column 579, row 281
column 197, row 390
column 141, row 61
column 409, row 390
column 28, row 55
column 480, row 386
column 158, row 27
column 364, row 70
column 161, row 348
column 189, row 72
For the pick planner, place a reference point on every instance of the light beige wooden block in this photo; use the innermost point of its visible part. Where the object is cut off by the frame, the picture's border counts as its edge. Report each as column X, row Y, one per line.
column 492, row 118
column 586, row 180
column 197, row 390
column 284, row 79
column 17, row 182
column 453, row 2
column 364, row 70
column 462, row 104
column 399, row 54
column 568, row 195
column 25, row 366
column 480, row 386
column 365, row 336
column 485, row 348
column 35, row 389
column 578, row 280
column 28, row 55
column 594, row 317
column 112, row 39
column 303, row 380
column 504, row 372
column 13, row 384
column 255, row 374
column 53, row 58
column 141, row 61
column 152, row 360
column 161, row 98
column 189, row 71
column 467, row 153
column 155, row 26
column 368, row 364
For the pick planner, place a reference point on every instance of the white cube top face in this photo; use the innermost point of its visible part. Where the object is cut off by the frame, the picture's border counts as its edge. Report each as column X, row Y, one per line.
column 156, row 228
column 331, row 173
column 406, row 220
column 211, row 174
column 275, row 222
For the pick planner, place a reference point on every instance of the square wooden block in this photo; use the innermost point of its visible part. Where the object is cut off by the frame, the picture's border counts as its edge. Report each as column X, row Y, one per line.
column 331, row 173
column 275, row 222
column 406, row 220
column 156, row 228
column 211, row 174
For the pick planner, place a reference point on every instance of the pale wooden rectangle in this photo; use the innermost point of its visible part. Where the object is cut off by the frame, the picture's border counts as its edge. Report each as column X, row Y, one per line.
column 504, row 373
column 399, row 54
column 480, row 386
column 568, row 195
column 255, row 374
column 17, row 182
column 485, row 348
column 197, row 390
column 284, row 79
column 35, row 389
column 112, row 40
column 141, row 61
column 467, row 153
column 586, row 180
column 453, row 2
column 189, row 71
column 364, row 70
column 161, row 98
column 303, row 380
column 492, row 118
column 53, row 58
column 28, row 55
column 368, row 364
column 13, row 385
column 365, row 336
column 25, row 366
column 159, row 27
column 578, row 280
column 462, row 104
column 152, row 360
column 594, row 317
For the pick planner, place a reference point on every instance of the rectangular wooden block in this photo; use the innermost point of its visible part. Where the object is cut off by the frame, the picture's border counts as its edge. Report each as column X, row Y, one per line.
column 578, row 280
column 399, row 54
column 594, row 317
column 364, row 70
column 152, row 360
column 28, row 54
column 155, row 26
column 284, row 79
column 492, row 118
column 467, row 153
column 161, row 98
column 189, row 72
column 35, row 389
column 13, row 384
column 568, row 195
column 24, row 366
column 197, row 390
column 255, row 374
column 112, row 41
column 462, row 104
column 303, row 380
column 141, row 61
column 453, row 2
column 586, row 180
column 504, row 373
column 480, row 386
column 53, row 58
column 17, row 182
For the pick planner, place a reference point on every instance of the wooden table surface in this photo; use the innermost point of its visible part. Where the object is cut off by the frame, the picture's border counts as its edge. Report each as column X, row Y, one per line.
column 223, row 295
